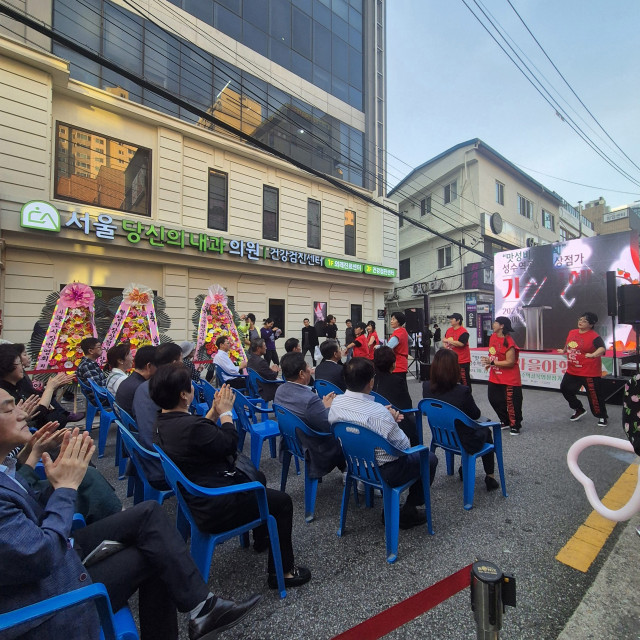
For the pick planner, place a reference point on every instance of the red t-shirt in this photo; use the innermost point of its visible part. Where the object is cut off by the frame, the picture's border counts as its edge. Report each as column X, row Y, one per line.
column 372, row 348
column 578, row 345
column 498, row 350
column 401, row 350
column 361, row 350
column 464, row 355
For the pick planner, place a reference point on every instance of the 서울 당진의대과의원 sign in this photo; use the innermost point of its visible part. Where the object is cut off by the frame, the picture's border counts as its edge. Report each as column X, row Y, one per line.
column 42, row 216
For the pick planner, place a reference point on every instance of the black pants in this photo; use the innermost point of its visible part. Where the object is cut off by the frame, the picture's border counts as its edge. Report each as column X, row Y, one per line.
column 570, row 386
column 506, row 401
column 465, row 374
column 156, row 563
column 271, row 356
column 472, row 440
column 404, row 469
column 245, row 509
column 312, row 351
column 236, row 383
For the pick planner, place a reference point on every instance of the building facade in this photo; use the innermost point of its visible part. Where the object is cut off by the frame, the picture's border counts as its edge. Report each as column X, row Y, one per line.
column 607, row 219
column 106, row 183
column 474, row 195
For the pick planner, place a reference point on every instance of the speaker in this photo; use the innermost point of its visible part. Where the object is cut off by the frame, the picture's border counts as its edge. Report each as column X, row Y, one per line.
column 629, row 304
column 415, row 320
column 612, row 304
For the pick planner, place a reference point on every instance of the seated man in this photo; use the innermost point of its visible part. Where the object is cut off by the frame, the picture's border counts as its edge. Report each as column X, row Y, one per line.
column 89, row 369
column 296, row 396
column 144, row 366
column 223, row 360
column 330, row 369
column 146, row 412
column 357, row 406
column 40, row 560
column 257, row 362
column 292, row 345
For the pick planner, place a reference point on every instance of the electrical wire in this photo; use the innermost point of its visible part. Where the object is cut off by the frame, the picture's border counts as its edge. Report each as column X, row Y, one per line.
column 161, row 92
column 547, row 98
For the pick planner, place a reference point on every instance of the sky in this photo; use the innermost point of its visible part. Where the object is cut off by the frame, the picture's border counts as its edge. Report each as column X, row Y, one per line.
column 448, row 81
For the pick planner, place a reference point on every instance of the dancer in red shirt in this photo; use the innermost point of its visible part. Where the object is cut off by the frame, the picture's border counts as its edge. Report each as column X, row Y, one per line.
column 399, row 342
column 372, row 337
column 584, row 349
column 457, row 339
column 360, row 344
column 505, row 386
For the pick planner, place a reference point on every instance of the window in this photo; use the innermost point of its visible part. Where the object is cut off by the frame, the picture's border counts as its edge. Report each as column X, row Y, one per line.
column 525, row 207
column 269, row 213
column 565, row 235
column 547, row 220
column 112, row 183
column 499, row 192
column 350, row 232
column 425, row 206
column 313, row 224
column 217, row 208
column 451, row 192
column 405, row 268
column 444, row 257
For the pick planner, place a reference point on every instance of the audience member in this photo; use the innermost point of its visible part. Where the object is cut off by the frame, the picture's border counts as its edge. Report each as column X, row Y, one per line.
column 144, row 366
column 394, row 389
column 228, row 369
column 14, row 381
column 330, row 369
column 349, row 337
column 444, row 384
column 120, row 360
column 206, row 453
column 257, row 362
column 89, row 369
column 292, row 345
column 309, row 340
column 38, row 560
column 188, row 350
column 296, row 396
column 356, row 405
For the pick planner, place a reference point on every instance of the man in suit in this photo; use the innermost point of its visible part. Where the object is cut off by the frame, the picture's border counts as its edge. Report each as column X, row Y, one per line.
column 309, row 340
column 144, row 366
column 330, row 369
column 257, row 362
column 39, row 558
column 296, row 396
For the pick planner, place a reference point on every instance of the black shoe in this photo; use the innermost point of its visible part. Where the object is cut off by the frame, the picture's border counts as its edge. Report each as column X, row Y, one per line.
column 492, row 483
column 515, row 431
column 578, row 414
column 603, row 422
column 223, row 615
column 301, row 575
column 411, row 517
column 460, row 473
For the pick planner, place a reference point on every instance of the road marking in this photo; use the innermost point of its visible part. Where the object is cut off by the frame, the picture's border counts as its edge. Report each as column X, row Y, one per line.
column 587, row 542
column 414, row 606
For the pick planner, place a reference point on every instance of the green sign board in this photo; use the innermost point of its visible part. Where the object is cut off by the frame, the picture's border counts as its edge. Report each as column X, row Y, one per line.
column 343, row 265
column 376, row 270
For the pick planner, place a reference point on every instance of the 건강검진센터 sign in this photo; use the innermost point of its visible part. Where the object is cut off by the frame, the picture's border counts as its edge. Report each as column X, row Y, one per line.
column 43, row 216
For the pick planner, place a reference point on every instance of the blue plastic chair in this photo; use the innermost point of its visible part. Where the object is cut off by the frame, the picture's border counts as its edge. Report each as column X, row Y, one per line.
column 289, row 424
column 359, row 445
column 441, row 417
column 204, row 544
column 254, row 378
column 123, row 456
column 142, row 489
column 92, row 408
column 324, row 387
column 114, row 627
column 260, row 430
column 107, row 417
column 223, row 376
column 199, row 405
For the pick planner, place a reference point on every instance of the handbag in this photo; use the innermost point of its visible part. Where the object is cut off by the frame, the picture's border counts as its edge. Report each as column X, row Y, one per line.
column 245, row 467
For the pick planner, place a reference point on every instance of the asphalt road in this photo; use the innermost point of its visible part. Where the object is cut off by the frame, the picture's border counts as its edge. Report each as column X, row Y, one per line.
column 521, row 534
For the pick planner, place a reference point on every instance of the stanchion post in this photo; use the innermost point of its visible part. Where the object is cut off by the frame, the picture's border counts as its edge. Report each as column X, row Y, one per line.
column 491, row 592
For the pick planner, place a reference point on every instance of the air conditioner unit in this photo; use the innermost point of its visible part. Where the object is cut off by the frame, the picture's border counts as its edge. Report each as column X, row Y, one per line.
column 531, row 242
column 390, row 296
column 436, row 285
column 417, row 288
